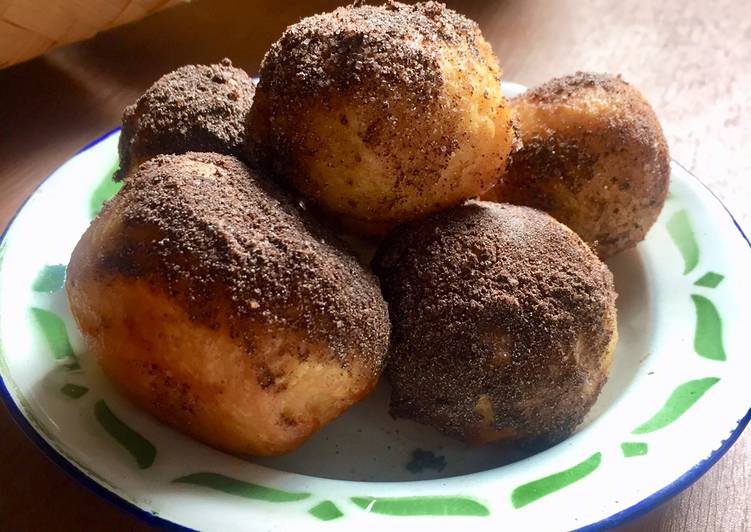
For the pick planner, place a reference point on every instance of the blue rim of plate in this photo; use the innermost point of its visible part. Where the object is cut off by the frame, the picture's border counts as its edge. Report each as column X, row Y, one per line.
column 645, row 505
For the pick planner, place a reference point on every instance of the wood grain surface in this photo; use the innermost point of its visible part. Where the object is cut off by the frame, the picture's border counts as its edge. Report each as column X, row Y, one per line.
column 691, row 60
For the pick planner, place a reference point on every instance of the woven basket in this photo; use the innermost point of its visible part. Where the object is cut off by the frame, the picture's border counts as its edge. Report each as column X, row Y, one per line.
column 31, row 27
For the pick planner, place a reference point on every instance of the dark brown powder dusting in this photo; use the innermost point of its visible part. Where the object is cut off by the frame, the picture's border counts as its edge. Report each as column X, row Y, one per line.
column 379, row 71
column 557, row 159
column 558, row 89
column 603, row 174
column 234, row 251
column 387, row 45
column 498, row 301
column 193, row 108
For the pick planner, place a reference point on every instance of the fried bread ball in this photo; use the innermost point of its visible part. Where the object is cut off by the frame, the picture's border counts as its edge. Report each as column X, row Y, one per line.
column 193, row 108
column 593, row 156
column 503, row 321
column 381, row 114
column 216, row 305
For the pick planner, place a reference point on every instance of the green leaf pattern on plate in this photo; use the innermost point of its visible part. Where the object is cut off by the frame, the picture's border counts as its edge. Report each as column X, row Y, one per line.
column 50, row 279
column 241, row 488
column 425, row 505
column 532, row 491
column 682, row 398
column 680, row 230
column 105, row 191
column 708, row 331
column 710, row 280
column 326, row 511
column 52, row 328
column 139, row 447
column 634, row 448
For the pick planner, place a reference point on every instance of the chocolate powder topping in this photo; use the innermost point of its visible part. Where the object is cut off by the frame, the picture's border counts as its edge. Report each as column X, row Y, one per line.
column 234, row 251
column 379, row 70
column 380, row 46
column 499, row 301
column 579, row 155
column 193, row 108
column 558, row 89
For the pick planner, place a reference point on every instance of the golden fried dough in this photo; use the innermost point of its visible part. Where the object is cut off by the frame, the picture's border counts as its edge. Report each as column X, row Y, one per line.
column 593, row 156
column 381, row 114
column 211, row 301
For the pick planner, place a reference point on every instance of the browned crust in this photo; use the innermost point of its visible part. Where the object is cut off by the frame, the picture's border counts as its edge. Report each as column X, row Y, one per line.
column 235, row 252
column 193, row 108
column 498, row 301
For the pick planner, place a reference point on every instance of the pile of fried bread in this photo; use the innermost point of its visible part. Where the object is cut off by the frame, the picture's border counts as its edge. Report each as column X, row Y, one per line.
column 219, row 291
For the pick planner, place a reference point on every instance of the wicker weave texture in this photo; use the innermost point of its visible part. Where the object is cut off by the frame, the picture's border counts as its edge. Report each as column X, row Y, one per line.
column 29, row 28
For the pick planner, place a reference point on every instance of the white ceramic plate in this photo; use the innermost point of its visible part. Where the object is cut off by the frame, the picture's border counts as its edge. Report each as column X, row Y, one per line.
column 677, row 398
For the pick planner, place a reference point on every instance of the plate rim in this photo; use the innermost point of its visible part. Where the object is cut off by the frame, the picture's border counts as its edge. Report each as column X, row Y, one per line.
column 648, row 503
column 23, row 423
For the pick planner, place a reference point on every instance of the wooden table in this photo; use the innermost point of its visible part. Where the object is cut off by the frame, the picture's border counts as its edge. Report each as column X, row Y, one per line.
column 692, row 62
